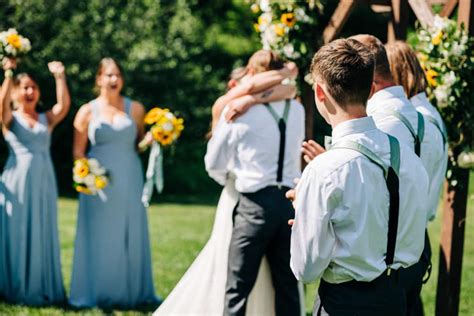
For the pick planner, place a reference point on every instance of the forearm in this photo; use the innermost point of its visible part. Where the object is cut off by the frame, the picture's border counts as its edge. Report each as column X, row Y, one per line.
column 63, row 98
column 5, row 101
column 277, row 93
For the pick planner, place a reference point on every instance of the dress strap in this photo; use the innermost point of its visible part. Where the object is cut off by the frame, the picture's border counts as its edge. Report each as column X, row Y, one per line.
column 128, row 105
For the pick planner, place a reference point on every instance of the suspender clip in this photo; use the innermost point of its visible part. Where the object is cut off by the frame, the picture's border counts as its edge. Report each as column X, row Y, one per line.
column 389, row 271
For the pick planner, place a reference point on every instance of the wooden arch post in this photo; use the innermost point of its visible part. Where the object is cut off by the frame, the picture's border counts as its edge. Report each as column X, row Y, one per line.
column 455, row 196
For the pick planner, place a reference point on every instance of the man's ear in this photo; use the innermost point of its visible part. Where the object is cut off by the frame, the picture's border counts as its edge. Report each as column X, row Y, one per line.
column 372, row 89
column 320, row 94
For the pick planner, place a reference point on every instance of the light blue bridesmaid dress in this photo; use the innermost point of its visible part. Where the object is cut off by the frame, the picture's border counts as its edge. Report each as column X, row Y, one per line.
column 112, row 263
column 30, row 268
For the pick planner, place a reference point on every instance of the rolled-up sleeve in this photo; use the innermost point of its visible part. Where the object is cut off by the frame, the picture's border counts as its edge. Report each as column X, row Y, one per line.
column 312, row 237
column 220, row 150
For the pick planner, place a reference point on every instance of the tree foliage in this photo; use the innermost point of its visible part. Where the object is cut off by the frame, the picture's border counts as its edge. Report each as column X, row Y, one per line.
column 175, row 54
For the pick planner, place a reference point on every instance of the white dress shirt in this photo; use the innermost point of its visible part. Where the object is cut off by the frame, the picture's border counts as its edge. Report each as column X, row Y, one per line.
column 433, row 153
column 342, row 210
column 251, row 144
column 393, row 98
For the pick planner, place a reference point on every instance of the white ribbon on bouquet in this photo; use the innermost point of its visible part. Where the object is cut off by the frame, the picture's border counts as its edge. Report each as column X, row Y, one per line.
column 154, row 173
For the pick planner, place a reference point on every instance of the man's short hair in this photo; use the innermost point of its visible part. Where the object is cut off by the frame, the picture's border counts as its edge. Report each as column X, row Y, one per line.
column 346, row 66
column 376, row 47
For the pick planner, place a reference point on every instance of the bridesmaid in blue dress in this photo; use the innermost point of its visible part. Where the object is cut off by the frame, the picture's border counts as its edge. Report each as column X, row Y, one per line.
column 112, row 262
column 30, row 269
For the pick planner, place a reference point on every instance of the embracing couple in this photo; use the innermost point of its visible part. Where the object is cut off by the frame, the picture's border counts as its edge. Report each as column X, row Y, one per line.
column 244, row 269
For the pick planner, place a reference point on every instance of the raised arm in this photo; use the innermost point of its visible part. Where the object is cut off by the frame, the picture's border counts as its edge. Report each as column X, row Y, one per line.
column 240, row 105
column 81, row 126
column 5, row 94
column 63, row 99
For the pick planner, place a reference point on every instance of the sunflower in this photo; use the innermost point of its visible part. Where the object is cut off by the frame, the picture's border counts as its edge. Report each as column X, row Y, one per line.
column 153, row 116
column 81, row 168
column 83, row 189
column 100, row 182
column 14, row 40
column 431, row 77
column 288, row 19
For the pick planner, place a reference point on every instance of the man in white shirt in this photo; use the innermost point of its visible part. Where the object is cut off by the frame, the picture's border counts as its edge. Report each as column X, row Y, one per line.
column 360, row 218
column 263, row 148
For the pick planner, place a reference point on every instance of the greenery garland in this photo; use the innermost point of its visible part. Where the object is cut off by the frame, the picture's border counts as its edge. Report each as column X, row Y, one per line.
column 446, row 53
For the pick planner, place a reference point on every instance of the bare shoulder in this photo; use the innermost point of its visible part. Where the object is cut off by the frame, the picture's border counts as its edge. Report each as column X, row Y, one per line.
column 83, row 116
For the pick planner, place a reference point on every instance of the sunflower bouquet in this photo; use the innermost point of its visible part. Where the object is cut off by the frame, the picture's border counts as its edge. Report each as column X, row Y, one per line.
column 89, row 177
column 13, row 44
column 165, row 127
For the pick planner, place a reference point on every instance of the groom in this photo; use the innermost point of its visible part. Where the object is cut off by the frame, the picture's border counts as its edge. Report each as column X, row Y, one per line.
column 262, row 149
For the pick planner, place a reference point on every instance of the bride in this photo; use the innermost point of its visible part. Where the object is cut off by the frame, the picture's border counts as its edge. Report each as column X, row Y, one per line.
column 202, row 288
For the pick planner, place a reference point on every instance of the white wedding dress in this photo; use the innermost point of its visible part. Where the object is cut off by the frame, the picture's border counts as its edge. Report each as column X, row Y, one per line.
column 202, row 288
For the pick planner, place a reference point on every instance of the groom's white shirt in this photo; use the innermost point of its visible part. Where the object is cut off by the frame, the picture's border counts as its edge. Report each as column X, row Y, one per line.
column 251, row 143
column 342, row 207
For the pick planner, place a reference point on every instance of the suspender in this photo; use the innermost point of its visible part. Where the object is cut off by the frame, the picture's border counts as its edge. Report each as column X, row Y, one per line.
column 418, row 136
column 441, row 128
column 391, row 178
column 281, row 121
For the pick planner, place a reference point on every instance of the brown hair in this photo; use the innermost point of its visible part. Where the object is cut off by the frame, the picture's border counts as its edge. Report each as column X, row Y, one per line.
column 375, row 46
column 405, row 67
column 104, row 62
column 264, row 60
column 347, row 68
column 18, row 77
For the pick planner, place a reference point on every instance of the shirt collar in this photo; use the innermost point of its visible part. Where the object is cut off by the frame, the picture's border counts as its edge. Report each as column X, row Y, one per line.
column 380, row 96
column 419, row 100
column 355, row 126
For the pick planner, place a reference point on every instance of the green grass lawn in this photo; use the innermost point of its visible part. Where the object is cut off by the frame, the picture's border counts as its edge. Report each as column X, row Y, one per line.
column 179, row 231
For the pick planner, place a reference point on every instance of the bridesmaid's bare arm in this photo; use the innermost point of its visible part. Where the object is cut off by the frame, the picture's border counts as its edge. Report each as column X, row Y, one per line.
column 81, row 126
column 63, row 99
column 240, row 105
column 138, row 114
column 5, row 93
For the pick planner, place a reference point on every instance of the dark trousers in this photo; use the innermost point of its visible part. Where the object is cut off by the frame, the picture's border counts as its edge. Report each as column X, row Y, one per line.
column 261, row 228
column 412, row 279
column 382, row 296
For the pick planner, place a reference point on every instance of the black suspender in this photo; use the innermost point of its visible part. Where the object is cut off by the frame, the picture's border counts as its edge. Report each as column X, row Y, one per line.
column 391, row 179
column 281, row 121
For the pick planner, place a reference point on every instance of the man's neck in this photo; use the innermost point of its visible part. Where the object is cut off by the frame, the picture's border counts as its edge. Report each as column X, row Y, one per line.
column 351, row 112
column 380, row 85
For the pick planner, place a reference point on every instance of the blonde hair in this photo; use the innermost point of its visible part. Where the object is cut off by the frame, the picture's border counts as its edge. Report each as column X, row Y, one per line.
column 264, row 60
column 406, row 69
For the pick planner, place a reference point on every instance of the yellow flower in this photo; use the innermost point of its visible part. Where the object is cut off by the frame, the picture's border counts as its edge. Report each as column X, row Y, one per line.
column 431, row 77
column 14, row 40
column 81, row 168
column 437, row 39
column 153, row 116
column 256, row 26
column 288, row 19
column 100, row 182
column 279, row 30
column 82, row 189
column 422, row 57
column 255, row 8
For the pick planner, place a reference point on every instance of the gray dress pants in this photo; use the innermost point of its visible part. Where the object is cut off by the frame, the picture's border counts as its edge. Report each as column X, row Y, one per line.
column 261, row 228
